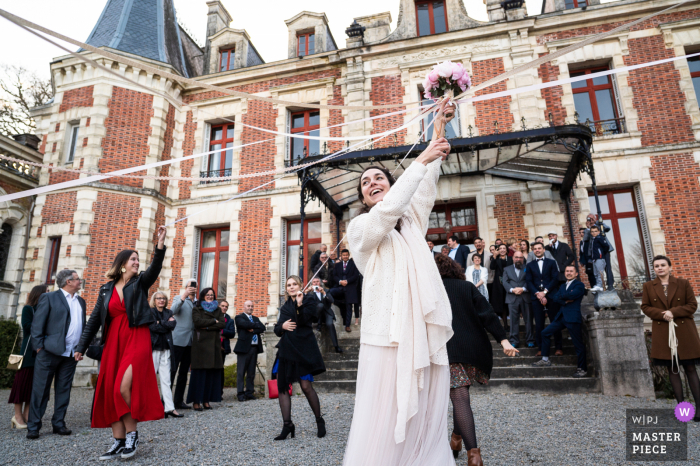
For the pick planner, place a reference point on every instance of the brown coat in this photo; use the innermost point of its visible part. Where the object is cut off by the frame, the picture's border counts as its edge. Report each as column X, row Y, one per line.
column 682, row 304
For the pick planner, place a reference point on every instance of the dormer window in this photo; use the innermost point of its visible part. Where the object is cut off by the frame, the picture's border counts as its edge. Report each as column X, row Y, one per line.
column 306, row 44
column 570, row 4
column 226, row 59
column 431, row 17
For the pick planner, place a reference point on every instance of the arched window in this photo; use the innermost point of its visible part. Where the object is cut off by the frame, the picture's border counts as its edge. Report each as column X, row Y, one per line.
column 5, row 239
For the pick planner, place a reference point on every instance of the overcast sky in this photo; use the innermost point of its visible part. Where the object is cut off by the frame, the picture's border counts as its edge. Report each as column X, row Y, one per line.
column 264, row 21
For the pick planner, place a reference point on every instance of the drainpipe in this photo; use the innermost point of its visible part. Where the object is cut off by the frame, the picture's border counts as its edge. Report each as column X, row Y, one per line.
column 23, row 260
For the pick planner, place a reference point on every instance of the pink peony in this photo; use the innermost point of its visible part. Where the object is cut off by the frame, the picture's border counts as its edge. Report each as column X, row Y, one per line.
column 457, row 71
column 433, row 76
column 428, row 95
column 427, row 84
column 444, row 69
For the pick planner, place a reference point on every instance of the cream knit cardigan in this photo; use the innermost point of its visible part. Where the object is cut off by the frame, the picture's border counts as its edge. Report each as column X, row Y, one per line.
column 404, row 302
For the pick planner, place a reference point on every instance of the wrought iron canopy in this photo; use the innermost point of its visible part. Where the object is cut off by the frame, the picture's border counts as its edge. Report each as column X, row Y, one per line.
column 555, row 155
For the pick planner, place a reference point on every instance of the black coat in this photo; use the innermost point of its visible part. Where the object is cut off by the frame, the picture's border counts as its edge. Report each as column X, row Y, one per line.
column 227, row 333
column 323, row 306
column 564, row 256
column 315, row 259
column 138, row 310
column 461, row 255
column 298, row 351
column 51, row 322
column 162, row 325
column 245, row 337
column 352, row 275
column 471, row 317
column 325, row 273
column 206, row 339
column 29, row 353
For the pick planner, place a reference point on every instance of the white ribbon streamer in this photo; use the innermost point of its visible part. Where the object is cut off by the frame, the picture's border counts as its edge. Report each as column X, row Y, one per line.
column 673, row 344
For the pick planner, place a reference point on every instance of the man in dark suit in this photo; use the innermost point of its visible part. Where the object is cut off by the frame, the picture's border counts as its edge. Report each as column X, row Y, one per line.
column 247, row 348
column 346, row 275
column 561, row 252
column 326, row 316
column 458, row 252
column 316, row 257
column 518, row 300
column 431, row 246
column 542, row 278
column 569, row 297
column 324, row 270
column 58, row 324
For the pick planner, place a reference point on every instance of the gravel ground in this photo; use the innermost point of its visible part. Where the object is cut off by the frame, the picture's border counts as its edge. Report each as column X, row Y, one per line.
column 512, row 430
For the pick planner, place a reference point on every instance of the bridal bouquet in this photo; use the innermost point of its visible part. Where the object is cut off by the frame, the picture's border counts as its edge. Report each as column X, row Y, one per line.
column 446, row 78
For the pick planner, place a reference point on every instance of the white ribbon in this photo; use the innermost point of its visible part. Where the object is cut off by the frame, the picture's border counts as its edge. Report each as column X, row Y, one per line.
column 673, row 344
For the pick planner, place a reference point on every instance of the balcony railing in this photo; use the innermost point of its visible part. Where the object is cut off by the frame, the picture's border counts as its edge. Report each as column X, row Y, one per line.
column 607, row 127
column 214, row 174
column 26, row 171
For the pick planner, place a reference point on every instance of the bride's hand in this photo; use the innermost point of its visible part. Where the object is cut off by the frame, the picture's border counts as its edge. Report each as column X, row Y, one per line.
column 438, row 148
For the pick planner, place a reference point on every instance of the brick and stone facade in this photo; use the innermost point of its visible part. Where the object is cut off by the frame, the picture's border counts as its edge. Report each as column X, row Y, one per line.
column 657, row 156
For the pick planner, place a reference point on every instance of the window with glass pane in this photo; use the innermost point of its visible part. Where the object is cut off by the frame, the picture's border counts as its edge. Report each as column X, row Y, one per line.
column 430, row 17
column 694, row 65
column 312, row 241
column 594, row 100
column 453, row 219
column 451, row 130
column 574, row 3
column 213, row 260
column 54, row 249
column 73, row 143
column 306, row 44
column 220, row 163
column 619, row 210
column 226, row 59
column 308, row 124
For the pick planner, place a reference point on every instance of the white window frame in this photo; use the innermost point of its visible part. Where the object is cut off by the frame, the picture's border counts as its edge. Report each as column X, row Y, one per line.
column 73, row 133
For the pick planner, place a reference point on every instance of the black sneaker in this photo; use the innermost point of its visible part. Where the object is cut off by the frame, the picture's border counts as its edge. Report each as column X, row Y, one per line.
column 542, row 363
column 132, row 441
column 115, row 451
column 579, row 373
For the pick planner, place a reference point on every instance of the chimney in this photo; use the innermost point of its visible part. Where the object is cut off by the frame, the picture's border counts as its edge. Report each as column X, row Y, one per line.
column 29, row 140
column 218, row 18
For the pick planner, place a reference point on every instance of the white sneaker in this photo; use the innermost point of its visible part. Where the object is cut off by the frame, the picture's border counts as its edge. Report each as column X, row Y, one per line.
column 597, row 288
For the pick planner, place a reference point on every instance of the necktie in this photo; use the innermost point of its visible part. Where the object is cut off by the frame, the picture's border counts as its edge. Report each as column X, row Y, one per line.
column 255, row 336
column 345, row 264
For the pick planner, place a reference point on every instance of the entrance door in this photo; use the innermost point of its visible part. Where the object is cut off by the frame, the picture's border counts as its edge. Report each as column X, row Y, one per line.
column 452, row 219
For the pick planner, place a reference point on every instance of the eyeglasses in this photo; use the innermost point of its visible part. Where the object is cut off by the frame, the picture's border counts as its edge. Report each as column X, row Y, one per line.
column 159, row 299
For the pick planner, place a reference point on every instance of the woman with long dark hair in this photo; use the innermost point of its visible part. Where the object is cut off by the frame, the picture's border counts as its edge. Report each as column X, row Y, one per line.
column 127, row 388
column 298, row 356
column 525, row 247
column 403, row 379
column 670, row 301
column 469, row 350
column 498, row 293
column 21, row 392
column 205, row 377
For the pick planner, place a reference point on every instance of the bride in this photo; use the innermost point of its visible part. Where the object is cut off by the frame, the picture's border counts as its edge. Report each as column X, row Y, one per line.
column 403, row 380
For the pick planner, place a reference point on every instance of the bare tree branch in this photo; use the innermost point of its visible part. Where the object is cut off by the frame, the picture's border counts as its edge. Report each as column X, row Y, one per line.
column 20, row 91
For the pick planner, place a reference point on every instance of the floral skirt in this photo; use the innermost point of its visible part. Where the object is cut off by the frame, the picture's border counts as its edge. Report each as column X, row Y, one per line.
column 464, row 375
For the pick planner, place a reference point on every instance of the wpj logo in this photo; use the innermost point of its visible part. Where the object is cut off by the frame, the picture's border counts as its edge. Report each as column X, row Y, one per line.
column 657, row 435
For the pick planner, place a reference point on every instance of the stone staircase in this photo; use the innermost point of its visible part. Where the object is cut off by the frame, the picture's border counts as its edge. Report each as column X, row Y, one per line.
column 341, row 368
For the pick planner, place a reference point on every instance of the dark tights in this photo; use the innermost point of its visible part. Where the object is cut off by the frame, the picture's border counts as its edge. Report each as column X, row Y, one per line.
column 693, row 380
column 463, row 416
column 311, row 397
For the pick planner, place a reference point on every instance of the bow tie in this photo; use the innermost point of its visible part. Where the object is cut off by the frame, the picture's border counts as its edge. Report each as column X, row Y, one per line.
column 540, row 260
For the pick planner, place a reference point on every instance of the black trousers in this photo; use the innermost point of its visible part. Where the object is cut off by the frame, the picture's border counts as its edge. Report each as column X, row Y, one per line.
column 540, row 312
column 180, row 358
column 327, row 320
column 246, row 372
column 576, row 337
column 338, row 294
column 590, row 273
column 48, row 367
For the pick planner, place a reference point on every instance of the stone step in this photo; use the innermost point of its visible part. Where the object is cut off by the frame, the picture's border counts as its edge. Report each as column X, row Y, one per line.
column 528, row 371
column 346, row 355
column 547, row 385
column 335, row 386
column 345, row 374
column 525, row 351
column 566, row 343
column 506, row 361
column 348, row 364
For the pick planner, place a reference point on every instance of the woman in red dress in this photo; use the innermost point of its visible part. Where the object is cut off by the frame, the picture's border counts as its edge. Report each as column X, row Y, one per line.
column 123, row 312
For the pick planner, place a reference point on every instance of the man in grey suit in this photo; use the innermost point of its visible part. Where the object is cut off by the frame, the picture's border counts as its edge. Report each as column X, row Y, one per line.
column 518, row 300
column 58, row 324
column 182, row 341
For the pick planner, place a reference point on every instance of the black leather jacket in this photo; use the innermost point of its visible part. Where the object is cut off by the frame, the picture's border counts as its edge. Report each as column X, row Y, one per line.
column 138, row 310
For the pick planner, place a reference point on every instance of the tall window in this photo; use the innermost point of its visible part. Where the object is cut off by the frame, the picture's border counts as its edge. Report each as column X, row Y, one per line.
column 226, row 59
column 306, row 44
column 451, row 130
column 219, row 163
column 5, row 240
column 620, row 214
column 430, row 17
column 54, row 249
column 594, row 100
column 453, row 219
column 213, row 260
column 694, row 65
column 72, row 143
column 307, row 123
column 575, row 3
column 312, row 240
